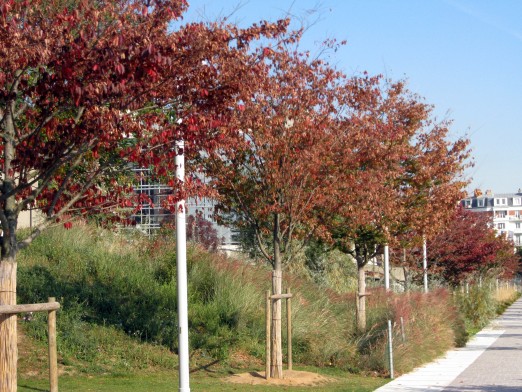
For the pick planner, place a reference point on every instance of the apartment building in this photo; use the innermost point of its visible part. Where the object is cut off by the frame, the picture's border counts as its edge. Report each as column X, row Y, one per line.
column 152, row 216
column 506, row 209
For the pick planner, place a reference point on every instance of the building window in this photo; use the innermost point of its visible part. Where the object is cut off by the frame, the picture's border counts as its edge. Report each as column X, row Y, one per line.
column 516, row 201
column 480, row 202
column 467, row 203
column 517, row 225
column 500, row 202
column 501, row 214
column 501, row 226
column 518, row 240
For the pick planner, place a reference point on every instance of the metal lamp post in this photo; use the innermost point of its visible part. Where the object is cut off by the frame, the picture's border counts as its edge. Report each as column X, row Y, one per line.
column 425, row 263
column 181, row 263
column 386, row 267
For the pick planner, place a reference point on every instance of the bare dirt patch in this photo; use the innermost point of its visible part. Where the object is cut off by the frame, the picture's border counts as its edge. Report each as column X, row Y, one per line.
column 291, row 378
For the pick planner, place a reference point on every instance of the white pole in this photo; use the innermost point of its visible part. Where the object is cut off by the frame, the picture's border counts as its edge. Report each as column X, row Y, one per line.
column 425, row 264
column 181, row 262
column 386, row 267
column 390, row 349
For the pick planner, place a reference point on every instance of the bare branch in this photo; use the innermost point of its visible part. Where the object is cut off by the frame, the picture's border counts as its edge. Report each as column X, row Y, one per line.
column 262, row 248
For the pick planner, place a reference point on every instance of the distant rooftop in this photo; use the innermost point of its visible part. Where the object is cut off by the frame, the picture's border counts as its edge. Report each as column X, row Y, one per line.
column 489, row 193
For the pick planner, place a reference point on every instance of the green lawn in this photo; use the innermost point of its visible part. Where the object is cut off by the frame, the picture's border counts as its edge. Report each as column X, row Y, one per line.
column 207, row 382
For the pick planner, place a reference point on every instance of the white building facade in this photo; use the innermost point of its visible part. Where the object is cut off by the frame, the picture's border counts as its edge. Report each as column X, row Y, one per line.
column 506, row 209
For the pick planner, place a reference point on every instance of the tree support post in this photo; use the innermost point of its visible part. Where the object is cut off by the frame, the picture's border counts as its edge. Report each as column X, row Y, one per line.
column 289, row 327
column 270, row 300
column 267, row 324
column 8, row 335
column 276, row 370
column 53, row 357
column 50, row 307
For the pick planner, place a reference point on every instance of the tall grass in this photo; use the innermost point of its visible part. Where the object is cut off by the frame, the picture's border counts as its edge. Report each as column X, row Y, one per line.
column 424, row 327
column 112, row 287
column 505, row 296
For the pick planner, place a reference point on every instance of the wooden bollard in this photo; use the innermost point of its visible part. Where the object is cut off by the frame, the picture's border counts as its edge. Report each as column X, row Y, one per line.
column 268, row 326
column 53, row 358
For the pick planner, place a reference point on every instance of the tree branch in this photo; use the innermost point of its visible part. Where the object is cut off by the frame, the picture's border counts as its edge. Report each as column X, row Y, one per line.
column 262, row 246
column 61, row 189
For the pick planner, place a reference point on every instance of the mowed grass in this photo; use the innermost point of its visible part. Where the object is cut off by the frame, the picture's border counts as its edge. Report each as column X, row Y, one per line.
column 200, row 381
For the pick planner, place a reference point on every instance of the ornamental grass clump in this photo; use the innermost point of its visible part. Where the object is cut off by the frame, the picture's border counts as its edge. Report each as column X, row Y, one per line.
column 423, row 328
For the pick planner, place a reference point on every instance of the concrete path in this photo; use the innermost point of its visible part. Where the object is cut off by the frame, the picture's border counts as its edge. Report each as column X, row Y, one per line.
column 490, row 362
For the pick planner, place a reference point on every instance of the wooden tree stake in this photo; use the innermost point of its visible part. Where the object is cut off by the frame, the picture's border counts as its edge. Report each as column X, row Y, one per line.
column 289, row 327
column 53, row 357
column 267, row 323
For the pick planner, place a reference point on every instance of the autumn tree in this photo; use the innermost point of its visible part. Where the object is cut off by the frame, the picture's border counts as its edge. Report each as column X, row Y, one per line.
column 386, row 131
column 372, row 140
column 202, row 231
column 469, row 247
column 273, row 172
column 88, row 88
column 433, row 184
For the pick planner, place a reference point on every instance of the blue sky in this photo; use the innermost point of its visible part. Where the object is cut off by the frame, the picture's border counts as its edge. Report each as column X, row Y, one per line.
column 463, row 56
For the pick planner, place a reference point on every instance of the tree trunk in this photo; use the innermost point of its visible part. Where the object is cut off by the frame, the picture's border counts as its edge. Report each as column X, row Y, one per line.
column 406, row 279
column 276, row 370
column 8, row 336
column 9, row 220
column 406, row 271
column 361, row 298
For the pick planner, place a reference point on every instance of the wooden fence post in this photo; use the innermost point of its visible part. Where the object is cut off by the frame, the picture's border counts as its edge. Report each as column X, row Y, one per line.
column 53, row 359
column 267, row 322
column 289, row 327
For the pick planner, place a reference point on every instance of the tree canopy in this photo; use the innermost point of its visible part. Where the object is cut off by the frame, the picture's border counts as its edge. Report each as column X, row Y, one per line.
column 469, row 247
column 89, row 88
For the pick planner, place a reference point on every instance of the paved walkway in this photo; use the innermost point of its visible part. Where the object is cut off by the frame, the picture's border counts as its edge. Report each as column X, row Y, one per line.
column 490, row 362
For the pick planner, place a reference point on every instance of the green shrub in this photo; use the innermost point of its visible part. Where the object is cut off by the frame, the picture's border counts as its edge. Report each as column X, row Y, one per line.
column 112, row 287
column 129, row 284
column 477, row 305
